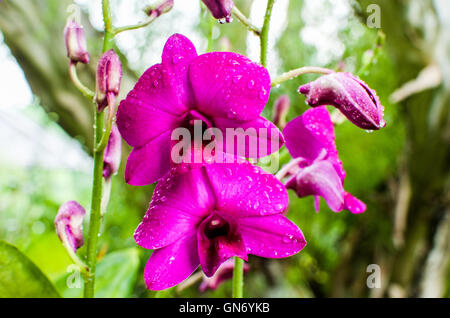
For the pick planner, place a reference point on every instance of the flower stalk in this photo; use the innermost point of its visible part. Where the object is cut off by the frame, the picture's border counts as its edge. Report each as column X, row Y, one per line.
column 245, row 21
column 238, row 278
column 264, row 36
column 300, row 71
column 97, row 183
column 78, row 84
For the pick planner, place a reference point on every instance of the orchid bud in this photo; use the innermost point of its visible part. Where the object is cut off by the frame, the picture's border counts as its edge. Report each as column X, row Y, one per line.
column 220, row 9
column 109, row 75
column 357, row 101
column 159, row 8
column 113, row 152
column 75, row 43
column 280, row 110
column 69, row 224
column 223, row 273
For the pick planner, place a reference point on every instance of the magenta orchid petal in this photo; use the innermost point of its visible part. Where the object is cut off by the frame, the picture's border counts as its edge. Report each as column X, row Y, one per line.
column 218, row 239
column 172, row 264
column 252, row 139
column 229, row 85
column 140, row 169
column 223, row 273
column 353, row 204
column 311, row 137
column 245, row 190
column 309, row 134
column 320, row 178
column 221, row 89
column 357, row 101
column 146, row 113
column 166, row 221
column 272, row 236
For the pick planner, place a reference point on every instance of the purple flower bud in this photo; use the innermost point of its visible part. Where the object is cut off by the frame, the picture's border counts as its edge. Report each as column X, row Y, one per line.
column 220, row 9
column 113, row 152
column 109, row 75
column 223, row 273
column 280, row 110
column 357, row 101
column 159, row 8
column 69, row 224
column 75, row 43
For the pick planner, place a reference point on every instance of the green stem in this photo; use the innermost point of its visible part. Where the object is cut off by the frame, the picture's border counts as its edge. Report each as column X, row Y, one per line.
column 300, row 71
column 78, row 84
column 210, row 33
column 94, row 223
column 238, row 278
column 97, row 180
column 243, row 19
column 143, row 24
column 265, row 32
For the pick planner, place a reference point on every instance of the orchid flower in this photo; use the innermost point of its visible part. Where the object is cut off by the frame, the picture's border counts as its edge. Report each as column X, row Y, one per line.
column 203, row 214
column 220, row 89
column 318, row 170
column 223, row 273
column 357, row 101
column 75, row 42
column 69, row 224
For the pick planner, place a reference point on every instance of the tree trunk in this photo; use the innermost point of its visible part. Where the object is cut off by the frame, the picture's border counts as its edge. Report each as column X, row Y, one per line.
column 33, row 30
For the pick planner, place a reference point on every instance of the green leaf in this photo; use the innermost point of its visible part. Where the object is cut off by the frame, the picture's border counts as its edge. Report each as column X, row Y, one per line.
column 117, row 273
column 20, row 277
column 115, row 276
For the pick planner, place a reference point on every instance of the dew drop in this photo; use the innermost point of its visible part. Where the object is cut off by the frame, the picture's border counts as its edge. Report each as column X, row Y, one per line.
column 251, row 84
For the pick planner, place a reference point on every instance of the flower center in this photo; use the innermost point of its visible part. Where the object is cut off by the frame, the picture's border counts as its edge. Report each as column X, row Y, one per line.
column 216, row 226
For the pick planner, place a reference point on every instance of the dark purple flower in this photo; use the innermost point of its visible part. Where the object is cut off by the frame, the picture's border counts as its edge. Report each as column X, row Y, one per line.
column 75, row 43
column 223, row 273
column 350, row 95
column 280, row 110
column 109, row 76
column 220, row 9
column 310, row 140
column 69, row 224
column 220, row 89
column 203, row 214
column 113, row 153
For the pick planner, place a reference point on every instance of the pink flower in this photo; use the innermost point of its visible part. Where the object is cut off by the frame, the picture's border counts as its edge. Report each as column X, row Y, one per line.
column 203, row 214
column 280, row 110
column 223, row 273
column 357, row 101
column 69, row 224
column 113, row 153
column 319, row 172
column 220, row 9
column 109, row 76
column 220, row 89
column 75, row 43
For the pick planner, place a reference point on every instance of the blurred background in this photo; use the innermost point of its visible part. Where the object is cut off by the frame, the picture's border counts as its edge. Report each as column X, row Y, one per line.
column 401, row 171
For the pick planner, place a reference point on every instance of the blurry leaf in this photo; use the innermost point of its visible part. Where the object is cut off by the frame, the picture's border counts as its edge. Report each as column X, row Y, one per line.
column 20, row 277
column 117, row 273
column 38, row 250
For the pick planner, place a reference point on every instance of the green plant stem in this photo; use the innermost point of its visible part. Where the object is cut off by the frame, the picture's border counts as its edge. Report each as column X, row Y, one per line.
column 94, row 223
column 142, row 24
column 300, row 71
column 238, row 278
column 264, row 36
column 97, row 182
column 78, row 84
column 243, row 19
